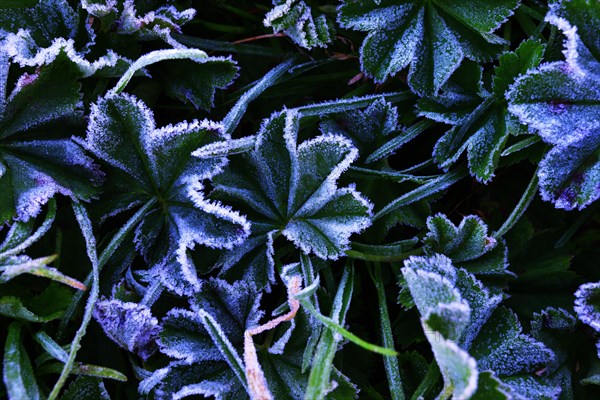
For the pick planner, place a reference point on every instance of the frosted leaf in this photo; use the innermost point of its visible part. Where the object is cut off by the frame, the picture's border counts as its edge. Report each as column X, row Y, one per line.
column 553, row 99
column 367, row 129
column 45, row 21
column 468, row 245
column 464, row 325
column 122, row 132
column 555, row 327
column 458, row 368
column 130, row 325
column 555, row 319
column 234, row 306
column 580, row 22
column 587, row 305
column 35, row 36
column 255, row 255
column 502, row 347
column 561, row 102
column 289, row 189
column 431, row 290
column 99, row 8
column 570, row 174
column 189, row 335
column 184, row 337
column 33, row 171
column 211, row 378
column 200, row 366
column 444, row 317
column 482, row 123
column 295, row 19
column 481, row 302
column 528, row 387
column 489, row 387
column 86, row 388
column 432, row 38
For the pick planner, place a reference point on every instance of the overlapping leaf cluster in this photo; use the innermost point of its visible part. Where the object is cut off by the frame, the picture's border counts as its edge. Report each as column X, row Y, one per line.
column 193, row 206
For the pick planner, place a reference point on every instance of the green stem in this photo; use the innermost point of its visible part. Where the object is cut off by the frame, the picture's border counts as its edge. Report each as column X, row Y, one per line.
column 90, row 242
column 383, row 258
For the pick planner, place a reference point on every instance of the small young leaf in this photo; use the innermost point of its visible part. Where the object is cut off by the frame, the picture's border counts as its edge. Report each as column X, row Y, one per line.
column 468, row 245
column 194, row 82
column 130, row 325
column 366, row 129
column 296, row 19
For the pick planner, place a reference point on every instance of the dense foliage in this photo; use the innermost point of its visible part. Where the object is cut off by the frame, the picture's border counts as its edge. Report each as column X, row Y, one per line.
column 300, row 199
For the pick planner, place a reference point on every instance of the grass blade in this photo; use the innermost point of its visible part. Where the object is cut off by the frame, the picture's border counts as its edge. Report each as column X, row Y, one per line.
column 156, row 56
column 85, row 369
column 521, row 207
column 38, row 267
column 51, row 346
column 224, row 345
column 320, row 373
column 329, row 323
column 232, row 119
column 394, row 144
column 431, row 187
column 392, row 368
column 337, row 106
column 18, row 372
